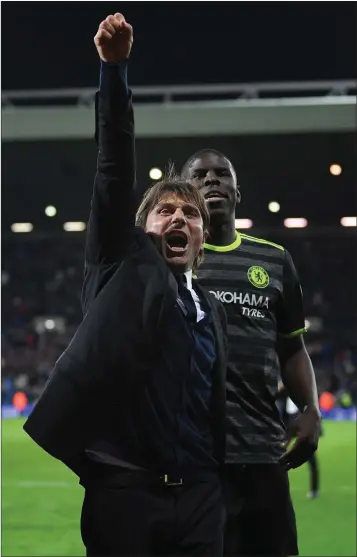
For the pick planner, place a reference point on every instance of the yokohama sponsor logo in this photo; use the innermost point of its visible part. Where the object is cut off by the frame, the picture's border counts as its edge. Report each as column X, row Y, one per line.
column 251, row 300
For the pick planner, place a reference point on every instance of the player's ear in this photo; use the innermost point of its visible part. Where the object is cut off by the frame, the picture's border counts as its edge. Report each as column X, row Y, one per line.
column 238, row 195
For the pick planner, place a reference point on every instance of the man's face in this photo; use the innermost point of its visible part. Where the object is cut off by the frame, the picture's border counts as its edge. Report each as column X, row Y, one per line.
column 177, row 227
column 215, row 177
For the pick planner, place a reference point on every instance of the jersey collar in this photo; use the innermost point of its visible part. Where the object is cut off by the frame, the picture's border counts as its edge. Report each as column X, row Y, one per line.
column 230, row 247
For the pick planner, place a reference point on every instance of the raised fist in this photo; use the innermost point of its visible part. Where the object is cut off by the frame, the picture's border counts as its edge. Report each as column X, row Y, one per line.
column 114, row 39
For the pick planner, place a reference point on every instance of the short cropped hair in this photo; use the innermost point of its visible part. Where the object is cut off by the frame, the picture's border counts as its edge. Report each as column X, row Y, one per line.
column 186, row 167
column 173, row 184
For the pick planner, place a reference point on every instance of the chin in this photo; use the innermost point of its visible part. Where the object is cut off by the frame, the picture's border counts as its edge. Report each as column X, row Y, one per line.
column 218, row 214
column 178, row 265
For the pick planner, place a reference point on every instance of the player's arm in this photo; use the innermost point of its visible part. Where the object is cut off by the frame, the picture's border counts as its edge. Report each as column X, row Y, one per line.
column 298, row 373
column 296, row 368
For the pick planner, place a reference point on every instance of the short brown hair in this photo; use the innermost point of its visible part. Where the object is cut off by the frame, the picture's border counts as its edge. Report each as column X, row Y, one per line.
column 184, row 190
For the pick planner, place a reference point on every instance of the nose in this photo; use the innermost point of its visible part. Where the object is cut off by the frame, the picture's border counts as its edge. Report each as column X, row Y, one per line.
column 178, row 216
column 211, row 178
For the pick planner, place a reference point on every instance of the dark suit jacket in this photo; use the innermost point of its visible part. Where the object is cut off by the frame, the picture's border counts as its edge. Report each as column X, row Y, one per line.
column 128, row 296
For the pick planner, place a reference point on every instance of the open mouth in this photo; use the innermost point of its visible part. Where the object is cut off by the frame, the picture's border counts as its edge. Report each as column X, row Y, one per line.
column 215, row 195
column 177, row 241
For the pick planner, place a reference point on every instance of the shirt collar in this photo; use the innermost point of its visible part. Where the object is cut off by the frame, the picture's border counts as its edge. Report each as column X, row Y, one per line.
column 188, row 276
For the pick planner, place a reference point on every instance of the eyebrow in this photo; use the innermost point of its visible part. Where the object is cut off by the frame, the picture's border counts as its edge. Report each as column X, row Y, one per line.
column 186, row 205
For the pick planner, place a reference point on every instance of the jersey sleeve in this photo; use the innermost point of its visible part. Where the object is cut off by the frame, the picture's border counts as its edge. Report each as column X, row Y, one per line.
column 290, row 313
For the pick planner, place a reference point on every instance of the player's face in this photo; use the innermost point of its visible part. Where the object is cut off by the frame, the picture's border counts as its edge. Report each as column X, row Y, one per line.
column 177, row 227
column 215, row 177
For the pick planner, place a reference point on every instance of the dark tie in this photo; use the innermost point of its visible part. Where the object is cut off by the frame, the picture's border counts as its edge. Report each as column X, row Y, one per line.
column 187, row 299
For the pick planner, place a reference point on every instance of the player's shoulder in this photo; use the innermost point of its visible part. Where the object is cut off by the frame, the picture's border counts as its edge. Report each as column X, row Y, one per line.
column 253, row 241
column 251, row 244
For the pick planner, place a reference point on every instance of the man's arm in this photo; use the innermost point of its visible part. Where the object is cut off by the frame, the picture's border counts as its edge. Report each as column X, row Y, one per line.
column 113, row 205
column 297, row 373
column 112, row 214
column 296, row 369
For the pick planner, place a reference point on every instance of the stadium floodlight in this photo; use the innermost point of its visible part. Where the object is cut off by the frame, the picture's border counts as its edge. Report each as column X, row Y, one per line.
column 20, row 227
column 49, row 324
column 274, row 207
column 243, row 223
column 348, row 221
column 295, row 223
column 74, row 226
column 50, row 211
column 335, row 169
column 155, row 174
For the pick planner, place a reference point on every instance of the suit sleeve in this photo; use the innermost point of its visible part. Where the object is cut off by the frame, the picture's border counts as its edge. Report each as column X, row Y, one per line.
column 112, row 214
column 290, row 314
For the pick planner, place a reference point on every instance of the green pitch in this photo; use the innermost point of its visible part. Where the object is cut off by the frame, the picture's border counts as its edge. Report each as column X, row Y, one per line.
column 41, row 500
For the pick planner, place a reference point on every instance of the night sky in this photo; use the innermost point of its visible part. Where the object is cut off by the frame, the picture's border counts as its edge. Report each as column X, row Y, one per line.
column 50, row 44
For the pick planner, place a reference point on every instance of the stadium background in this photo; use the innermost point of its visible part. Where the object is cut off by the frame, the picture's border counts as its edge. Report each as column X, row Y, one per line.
column 282, row 142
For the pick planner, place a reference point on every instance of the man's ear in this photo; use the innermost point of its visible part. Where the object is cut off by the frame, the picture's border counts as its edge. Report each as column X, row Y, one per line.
column 238, row 195
column 205, row 236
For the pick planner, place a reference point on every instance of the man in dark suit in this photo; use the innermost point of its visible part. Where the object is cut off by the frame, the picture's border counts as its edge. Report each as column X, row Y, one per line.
column 135, row 406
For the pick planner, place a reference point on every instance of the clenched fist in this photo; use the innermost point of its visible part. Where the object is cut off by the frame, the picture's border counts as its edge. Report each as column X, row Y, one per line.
column 114, row 39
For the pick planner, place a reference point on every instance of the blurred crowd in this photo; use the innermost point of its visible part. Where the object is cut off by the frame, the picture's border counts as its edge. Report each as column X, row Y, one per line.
column 41, row 292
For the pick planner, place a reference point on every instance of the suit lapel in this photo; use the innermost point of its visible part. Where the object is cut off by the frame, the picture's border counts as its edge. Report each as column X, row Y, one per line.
column 219, row 377
column 217, row 329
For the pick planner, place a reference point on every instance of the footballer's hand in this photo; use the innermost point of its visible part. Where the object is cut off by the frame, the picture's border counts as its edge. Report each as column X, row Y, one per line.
column 307, row 427
column 114, row 39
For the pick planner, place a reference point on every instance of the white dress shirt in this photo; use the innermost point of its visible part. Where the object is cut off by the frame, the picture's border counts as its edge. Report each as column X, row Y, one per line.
column 200, row 312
